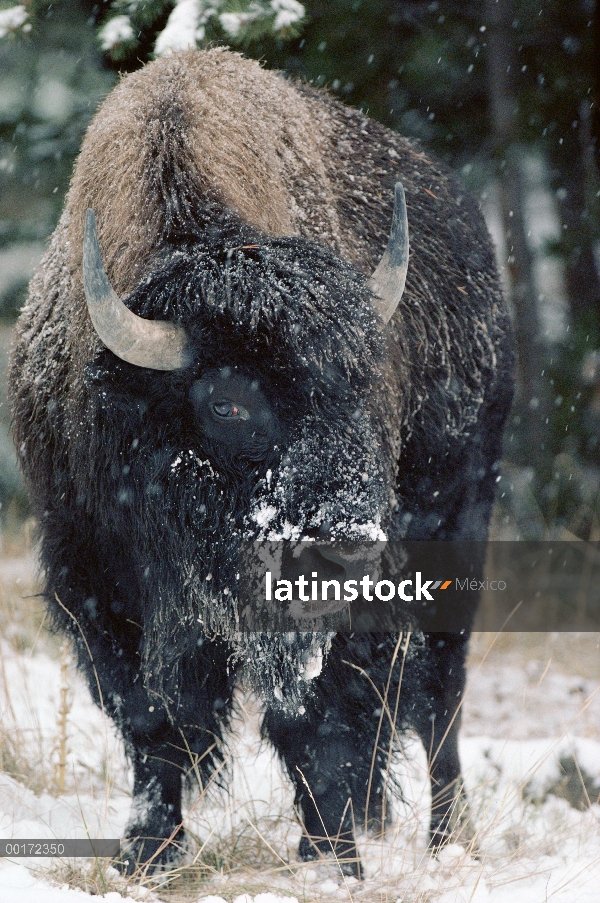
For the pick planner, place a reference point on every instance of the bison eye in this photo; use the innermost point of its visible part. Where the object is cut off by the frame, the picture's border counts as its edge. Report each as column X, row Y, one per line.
column 227, row 410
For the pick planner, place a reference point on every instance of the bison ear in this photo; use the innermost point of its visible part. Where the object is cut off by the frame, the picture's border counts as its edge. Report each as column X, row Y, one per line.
column 388, row 281
column 145, row 343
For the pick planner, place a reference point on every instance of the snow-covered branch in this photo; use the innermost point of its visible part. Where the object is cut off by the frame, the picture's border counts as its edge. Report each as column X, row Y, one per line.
column 16, row 18
column 193, row 22
column 117, row 30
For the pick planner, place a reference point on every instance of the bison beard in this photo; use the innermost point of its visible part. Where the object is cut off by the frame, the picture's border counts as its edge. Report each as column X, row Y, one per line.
column 295, row 412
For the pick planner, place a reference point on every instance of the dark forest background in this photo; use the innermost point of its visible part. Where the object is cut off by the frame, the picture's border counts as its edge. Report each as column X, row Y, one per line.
column 505, row 91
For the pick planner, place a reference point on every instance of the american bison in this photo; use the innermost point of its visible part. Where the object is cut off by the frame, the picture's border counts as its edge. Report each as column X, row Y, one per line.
column 221, row 344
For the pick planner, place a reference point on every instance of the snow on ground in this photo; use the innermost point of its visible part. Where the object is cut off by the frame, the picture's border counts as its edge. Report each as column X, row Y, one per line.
column 531, row 705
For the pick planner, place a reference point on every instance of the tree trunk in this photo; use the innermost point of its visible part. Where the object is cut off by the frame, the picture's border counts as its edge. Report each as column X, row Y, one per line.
column 570, row 177
column 532, row 392
column 595, row 123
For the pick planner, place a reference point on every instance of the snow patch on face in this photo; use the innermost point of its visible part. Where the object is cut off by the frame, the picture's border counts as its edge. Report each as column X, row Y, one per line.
column 320, row 491
column 189, row 458
column 263, row 516
column 370, row 531
column 290, row 531
column 287, row 532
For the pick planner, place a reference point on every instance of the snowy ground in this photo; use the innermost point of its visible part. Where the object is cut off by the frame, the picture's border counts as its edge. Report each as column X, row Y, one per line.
column 532, row 703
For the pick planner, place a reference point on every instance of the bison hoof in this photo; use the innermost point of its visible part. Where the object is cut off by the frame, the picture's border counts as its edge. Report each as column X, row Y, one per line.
column 342, row 852
column 458, row 828
column 150, row 855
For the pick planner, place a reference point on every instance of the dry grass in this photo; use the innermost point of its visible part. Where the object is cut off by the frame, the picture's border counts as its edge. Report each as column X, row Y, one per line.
column 95, row 876
column 22, row 611
column 570, row 653
column 21, row 626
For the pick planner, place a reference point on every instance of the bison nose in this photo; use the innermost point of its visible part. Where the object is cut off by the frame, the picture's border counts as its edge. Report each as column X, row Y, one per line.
column 339, row 561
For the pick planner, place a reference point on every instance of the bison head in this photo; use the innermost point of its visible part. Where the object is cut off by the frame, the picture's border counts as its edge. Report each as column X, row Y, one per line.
column 246, row 399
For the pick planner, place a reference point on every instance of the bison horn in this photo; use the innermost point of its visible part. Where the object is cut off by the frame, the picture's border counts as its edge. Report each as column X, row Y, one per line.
column 145, row 343
column 388, row 281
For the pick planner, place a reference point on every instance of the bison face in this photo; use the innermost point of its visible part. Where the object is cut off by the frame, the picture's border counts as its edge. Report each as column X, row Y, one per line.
column 246, row 377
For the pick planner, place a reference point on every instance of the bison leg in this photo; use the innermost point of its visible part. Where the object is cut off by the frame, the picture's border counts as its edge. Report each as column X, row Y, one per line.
column 164, row 745
column 181, row 743
column 154, row 834
column 168, row 747
column 321, row 760
column 328, row 752
column 438, row 728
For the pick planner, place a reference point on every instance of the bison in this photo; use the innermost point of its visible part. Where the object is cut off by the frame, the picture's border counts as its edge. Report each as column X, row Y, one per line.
column 222, row 344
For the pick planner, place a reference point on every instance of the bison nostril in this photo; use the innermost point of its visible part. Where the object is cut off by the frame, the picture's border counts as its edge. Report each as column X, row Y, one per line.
column 320, row 560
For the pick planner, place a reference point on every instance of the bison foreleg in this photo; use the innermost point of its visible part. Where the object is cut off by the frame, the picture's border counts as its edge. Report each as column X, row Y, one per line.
column 183, row 743
column 321, row 760
column 438, row 727
column 165, row 741
column 155, row 833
